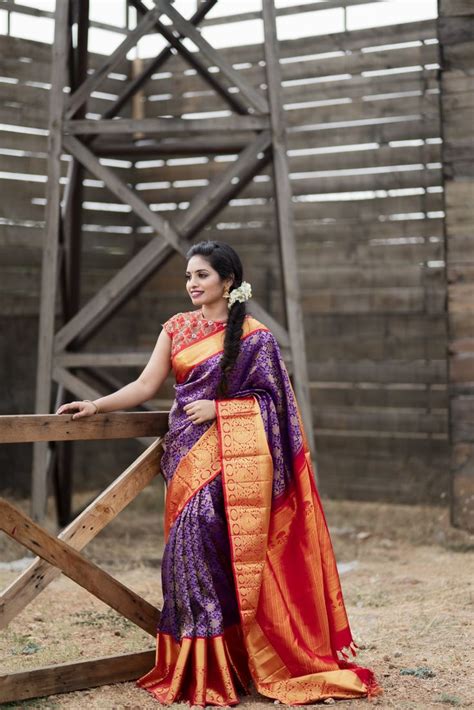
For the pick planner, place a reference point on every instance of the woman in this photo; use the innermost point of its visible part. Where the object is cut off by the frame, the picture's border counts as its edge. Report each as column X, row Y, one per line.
column 251, row 589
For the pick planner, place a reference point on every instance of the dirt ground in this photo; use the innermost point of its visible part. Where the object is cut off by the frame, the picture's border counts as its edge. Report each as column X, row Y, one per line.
column 407, row 578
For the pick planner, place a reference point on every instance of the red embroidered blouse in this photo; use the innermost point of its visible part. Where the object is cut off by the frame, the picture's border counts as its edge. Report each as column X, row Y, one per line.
column 187, row 328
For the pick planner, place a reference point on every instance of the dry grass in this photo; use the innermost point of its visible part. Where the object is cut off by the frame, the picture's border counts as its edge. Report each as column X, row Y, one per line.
column 409, row 598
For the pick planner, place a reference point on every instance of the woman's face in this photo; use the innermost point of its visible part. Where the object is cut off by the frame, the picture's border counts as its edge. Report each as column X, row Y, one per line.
column 203, row 283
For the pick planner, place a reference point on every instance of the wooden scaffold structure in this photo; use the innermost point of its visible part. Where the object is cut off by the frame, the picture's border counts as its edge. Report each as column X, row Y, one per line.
column 255, row 130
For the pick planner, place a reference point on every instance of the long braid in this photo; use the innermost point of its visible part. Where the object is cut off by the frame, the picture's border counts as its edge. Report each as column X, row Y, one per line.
column 233, row 333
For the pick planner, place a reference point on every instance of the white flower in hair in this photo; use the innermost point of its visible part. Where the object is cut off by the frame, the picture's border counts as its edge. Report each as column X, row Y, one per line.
column 242, row 293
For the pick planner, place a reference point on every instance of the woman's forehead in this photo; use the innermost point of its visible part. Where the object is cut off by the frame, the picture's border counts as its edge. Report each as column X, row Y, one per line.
column 198, row 262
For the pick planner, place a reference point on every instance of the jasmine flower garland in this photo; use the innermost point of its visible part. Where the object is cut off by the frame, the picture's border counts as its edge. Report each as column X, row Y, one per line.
column 242, row 293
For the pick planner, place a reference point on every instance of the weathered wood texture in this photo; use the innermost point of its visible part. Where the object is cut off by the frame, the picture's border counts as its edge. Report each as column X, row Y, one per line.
column 456, row 25
column 16, row 429
column 61, row 554
column 84, row 528
column 367, row 178
column 91, row 577
column 78, row 675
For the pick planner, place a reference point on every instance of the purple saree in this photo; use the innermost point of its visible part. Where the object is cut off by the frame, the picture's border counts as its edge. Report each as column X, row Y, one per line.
column 250, row 583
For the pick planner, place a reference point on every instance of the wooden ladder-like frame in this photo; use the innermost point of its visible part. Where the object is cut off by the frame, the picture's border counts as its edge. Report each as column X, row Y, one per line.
column 255, row 130
column 62, row 553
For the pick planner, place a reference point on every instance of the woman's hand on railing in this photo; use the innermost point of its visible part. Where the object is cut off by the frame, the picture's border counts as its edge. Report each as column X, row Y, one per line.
column 83, row 408
column 200, row 411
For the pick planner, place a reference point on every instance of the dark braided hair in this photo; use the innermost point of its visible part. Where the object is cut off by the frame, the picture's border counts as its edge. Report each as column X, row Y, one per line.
column 226, row 262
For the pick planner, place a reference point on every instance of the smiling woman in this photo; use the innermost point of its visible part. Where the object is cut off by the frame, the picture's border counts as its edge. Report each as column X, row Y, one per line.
column 251, row 589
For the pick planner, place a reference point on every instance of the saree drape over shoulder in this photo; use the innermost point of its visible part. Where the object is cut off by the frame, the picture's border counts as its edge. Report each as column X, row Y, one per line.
column 252, row 595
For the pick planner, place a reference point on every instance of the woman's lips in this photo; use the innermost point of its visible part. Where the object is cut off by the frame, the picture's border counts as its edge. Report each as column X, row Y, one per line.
column 196, row 293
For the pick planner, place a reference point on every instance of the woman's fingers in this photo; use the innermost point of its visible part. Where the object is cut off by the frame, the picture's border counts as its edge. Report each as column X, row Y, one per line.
column 80, row 409
column 64, row 408
column 200, row 411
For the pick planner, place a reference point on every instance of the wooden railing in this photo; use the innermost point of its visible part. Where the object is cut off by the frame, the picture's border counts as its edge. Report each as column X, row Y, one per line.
column 62, row 553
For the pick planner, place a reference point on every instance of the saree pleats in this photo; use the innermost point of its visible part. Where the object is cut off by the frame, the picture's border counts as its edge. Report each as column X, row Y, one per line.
column 203, row 671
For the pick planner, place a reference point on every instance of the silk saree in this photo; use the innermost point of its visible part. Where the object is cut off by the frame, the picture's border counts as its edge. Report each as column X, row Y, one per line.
column 252, row 595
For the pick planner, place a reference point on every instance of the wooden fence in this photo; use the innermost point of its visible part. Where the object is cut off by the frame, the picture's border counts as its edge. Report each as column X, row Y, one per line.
column 62, row 553
column 363, row 109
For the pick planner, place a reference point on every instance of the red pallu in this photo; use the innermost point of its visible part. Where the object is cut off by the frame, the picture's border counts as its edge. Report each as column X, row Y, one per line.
column 289, row 593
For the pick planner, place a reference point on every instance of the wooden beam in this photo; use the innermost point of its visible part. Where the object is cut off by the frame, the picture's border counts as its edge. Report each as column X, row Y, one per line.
column 13, row 6
column 81, row 389
column 172, row 146
column 73, row 193
column 254, row 97
column 49, row 272
column 125, row 194
column 285, row 222
column 167, row 126
column 115, row 359
column 85, row 573
column 78, row 675
column 284, row 11
column 82, row 530
column 95, row 80
column 19, row 428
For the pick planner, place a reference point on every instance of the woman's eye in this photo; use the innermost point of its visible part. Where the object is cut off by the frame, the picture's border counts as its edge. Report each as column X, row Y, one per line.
column 200, row 276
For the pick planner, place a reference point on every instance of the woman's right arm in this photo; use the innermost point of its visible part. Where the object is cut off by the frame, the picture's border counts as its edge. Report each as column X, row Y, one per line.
column 140, row 390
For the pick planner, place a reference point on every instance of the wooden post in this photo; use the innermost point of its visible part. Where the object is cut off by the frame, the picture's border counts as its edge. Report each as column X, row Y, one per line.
column 455, row 28
column 71, row 268
column 285, row 220
column 49, row 275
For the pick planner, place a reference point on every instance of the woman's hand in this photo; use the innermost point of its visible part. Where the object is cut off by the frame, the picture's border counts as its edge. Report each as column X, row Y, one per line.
column 82, row 409
column 200, row 411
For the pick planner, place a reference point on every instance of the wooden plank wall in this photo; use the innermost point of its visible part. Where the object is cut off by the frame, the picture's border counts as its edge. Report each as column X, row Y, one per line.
column 369, row 226
column 456, row 31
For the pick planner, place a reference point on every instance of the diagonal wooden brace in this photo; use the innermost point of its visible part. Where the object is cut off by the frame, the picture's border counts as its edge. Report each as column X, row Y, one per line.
column 125, row 193
column 82, row 530
column 254, row 97
column 94, row 80
column 194, row 60
column 135, row 84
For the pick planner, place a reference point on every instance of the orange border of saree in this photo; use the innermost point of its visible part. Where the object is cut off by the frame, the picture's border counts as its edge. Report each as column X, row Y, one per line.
column 192, row 355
